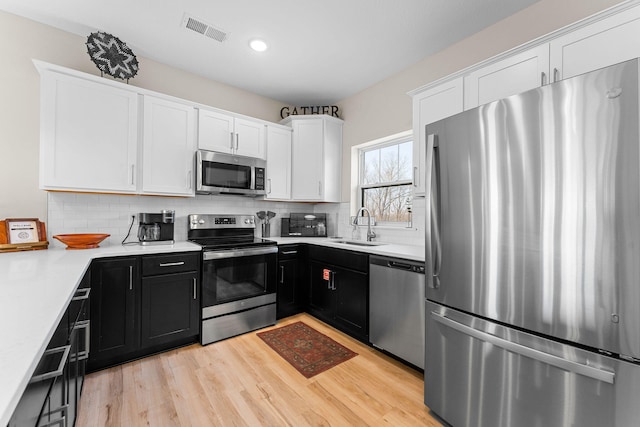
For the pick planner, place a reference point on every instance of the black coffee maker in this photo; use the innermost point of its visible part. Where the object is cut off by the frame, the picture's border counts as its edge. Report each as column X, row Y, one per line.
column 156, row 228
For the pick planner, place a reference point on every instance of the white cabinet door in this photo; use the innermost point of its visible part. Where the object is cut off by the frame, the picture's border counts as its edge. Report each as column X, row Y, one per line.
column 430, row 106
column 316, row 158
column 249, row 138
column 215, row 131
column 88, row 136
column 307, row 160
column 609, row 41
column 278, row 163
column 515, row 74
column 169, row 146
column 228, row 134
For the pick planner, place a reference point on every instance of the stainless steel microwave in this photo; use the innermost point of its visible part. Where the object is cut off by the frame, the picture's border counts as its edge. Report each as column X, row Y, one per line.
column 221, row 173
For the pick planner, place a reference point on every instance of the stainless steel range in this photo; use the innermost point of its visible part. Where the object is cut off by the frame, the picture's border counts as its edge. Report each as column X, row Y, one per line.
column 238, row 275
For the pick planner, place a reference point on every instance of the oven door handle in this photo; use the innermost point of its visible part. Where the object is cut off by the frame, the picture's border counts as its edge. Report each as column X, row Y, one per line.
column 235, row 253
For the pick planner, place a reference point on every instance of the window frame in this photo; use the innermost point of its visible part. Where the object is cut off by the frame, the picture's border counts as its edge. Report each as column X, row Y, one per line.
column 389, row 141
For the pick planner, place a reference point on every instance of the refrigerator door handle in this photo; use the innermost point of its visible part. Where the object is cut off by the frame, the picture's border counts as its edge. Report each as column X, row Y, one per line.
column 549, row 359
column 434, row 244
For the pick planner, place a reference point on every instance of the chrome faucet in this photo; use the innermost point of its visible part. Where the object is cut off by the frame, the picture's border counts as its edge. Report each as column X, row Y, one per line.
column 370, row 234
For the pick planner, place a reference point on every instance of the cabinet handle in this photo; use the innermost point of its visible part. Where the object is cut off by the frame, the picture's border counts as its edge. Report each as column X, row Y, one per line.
column 81, row 294
column 543, row 78
column 237, row 141
column 415, row 174
column 319, row 188
column 333, row 280
column 171, row 264
column 84, row 325
column 130, row 277
column 269, row 182
column 133, row 168
column 282, row 274
column 195, row 294
column 289, row 252
column 231, row 141
column 57, row 371
column 556, row 75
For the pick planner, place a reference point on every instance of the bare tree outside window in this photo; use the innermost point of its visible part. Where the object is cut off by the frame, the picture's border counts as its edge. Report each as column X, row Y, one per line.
column 385, row 182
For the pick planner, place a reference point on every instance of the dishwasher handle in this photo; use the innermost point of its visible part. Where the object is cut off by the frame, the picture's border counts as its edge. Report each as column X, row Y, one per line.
column 400, row 265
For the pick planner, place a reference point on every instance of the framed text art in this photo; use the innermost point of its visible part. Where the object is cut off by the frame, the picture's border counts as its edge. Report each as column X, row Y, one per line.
column 22, row 230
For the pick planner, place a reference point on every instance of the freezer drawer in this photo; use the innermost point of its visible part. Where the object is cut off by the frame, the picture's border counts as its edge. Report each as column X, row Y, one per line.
column 479, row 373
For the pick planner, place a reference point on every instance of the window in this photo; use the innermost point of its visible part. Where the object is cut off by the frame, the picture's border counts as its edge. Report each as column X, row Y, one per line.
column 385, row 181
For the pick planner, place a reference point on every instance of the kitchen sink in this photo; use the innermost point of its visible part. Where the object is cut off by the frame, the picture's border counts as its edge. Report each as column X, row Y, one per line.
column 359, row 243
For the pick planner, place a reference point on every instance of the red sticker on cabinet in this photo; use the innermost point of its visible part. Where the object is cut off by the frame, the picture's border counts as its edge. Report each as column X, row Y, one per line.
column 325, row 274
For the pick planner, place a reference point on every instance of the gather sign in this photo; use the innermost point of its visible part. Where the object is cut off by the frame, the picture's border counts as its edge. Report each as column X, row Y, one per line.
column 331, row 110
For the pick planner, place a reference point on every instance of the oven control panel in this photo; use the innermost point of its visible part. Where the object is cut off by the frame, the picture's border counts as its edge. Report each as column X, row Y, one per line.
column 220, row 221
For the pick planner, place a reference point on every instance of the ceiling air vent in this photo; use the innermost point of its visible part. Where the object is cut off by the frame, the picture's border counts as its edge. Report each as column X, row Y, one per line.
column 207, row 30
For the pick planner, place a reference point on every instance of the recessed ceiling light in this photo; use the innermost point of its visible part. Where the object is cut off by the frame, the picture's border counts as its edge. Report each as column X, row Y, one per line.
column 258, row 45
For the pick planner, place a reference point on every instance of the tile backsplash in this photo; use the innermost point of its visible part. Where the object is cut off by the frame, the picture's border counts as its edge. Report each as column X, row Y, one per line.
column 114, row 214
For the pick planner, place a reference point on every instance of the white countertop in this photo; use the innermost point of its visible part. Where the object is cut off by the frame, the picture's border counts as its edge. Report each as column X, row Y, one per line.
column 410, row 252
column 37, row 286
column 35, row 289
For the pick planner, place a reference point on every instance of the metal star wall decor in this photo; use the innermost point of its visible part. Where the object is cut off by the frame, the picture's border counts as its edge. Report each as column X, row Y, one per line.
column 111, row 55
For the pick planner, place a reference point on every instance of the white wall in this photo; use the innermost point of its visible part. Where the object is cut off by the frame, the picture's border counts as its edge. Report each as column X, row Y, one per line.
column 376, row 112
column 385, row 108
column 21, row 40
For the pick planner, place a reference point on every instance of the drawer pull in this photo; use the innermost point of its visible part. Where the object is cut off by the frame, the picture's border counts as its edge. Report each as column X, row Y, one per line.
column 58, row 371
column 171, row 264
column 81, row 294
column 84, row 325
column 289, row 252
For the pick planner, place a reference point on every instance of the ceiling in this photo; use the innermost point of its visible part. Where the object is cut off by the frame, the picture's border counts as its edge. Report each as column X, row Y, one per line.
column 319, row 52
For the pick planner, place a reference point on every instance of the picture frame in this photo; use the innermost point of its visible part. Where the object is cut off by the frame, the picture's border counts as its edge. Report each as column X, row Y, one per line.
column 22, row 230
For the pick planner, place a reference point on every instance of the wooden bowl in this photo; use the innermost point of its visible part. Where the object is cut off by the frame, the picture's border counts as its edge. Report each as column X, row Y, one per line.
column 81, row 241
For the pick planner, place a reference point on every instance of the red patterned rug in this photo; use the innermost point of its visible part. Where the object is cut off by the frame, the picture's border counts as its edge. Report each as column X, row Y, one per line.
column 306, row 349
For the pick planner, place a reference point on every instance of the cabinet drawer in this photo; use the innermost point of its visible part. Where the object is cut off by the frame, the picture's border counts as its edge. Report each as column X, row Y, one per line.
column 172, row 263
column 340, row 257
column 289, row 252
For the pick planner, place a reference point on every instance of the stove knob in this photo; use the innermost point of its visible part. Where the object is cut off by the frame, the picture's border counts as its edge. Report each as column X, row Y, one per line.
column 247, row 221
column 201, row 221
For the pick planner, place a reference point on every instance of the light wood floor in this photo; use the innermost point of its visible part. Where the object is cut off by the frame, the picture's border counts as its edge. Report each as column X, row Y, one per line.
column 242, row 382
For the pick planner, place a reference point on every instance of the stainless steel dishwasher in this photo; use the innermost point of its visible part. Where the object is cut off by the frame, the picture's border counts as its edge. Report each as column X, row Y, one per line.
column 396, row 307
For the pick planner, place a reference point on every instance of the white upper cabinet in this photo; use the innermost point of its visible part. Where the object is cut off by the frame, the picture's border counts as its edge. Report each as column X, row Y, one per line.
column 168, row 147
column 606, row 42
column 215, row 131
column 278, row 163
column 518, row 73
column 88, row 136
column 429, row 106
column 316, row 158
column 250, row 138
column 229, row 134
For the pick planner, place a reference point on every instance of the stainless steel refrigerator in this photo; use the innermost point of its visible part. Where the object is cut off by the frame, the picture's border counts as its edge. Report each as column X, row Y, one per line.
column 533, row 257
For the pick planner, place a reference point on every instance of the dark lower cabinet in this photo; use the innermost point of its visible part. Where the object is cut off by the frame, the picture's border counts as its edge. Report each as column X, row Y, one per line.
column 115, row 289
column 52, row 395
column 142, row 305
column 291, row 281
column 339, row 289
column 169, row 308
